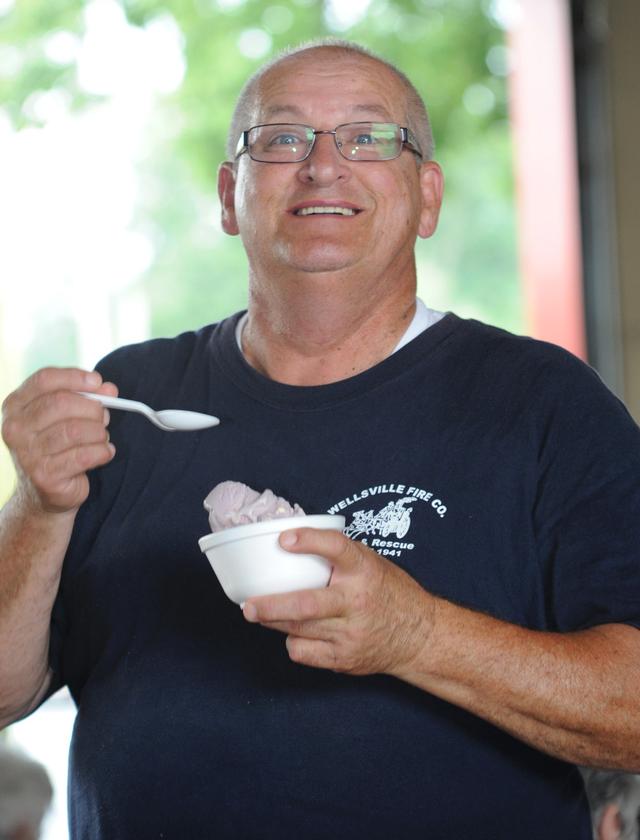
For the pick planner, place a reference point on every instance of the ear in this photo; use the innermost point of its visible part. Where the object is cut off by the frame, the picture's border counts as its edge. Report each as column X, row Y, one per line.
column 226, row 193
column 432, row 188
column 610, row 827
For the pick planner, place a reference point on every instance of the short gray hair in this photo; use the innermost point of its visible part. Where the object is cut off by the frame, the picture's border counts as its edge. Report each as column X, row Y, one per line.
column 25, row 792
column 417, row 116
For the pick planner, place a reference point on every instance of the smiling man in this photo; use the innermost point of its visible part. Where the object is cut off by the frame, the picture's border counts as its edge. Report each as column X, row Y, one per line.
column 479, row 634
column 328, row 194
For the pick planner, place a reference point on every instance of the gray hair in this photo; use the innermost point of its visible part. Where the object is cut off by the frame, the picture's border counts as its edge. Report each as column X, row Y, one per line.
column 25, row 792
column 613, row 787
column 417, row 116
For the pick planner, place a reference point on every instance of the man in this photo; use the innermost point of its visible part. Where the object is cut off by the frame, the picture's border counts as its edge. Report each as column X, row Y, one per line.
column 455, row 675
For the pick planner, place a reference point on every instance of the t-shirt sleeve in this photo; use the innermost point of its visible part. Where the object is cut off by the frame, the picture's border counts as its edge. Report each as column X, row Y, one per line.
column 587, row 511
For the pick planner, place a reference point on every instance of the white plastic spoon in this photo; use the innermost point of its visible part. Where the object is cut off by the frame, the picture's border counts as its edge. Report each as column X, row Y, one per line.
column 170, row 419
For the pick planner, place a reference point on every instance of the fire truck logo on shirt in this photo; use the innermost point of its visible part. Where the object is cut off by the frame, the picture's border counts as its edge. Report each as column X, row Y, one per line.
column 394, row 518
column 384, row 528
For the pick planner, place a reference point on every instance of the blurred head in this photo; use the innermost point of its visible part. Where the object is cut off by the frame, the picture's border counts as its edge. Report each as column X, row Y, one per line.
column 25, row 795
column 614, row 798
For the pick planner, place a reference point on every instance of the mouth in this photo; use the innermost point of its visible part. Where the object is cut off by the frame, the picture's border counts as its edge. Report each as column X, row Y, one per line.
column 325, row 210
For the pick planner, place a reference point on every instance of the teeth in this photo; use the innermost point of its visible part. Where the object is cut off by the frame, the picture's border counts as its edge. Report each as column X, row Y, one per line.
column 310, row 211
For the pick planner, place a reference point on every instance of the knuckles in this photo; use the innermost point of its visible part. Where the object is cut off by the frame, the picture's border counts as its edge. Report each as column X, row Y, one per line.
column 72, row 431
column 370, row 632
column 57, row 402
column 46, row 378
column 295, row 650
column 10, row 431
column 40, row 378
column 7, row 403
column 41, row 381
column 307, row 605
column 64, row 405
column 54, row 438
column 41, row 477
column 84, row 458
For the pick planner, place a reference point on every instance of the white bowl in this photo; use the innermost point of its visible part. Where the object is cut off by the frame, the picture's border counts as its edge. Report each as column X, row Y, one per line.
column 248, row 561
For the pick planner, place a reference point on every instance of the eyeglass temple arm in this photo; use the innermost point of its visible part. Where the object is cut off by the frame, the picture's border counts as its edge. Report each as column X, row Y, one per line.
column 242, row 145
column 409, row 142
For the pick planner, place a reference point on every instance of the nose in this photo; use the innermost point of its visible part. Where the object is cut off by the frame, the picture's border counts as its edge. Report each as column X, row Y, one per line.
column 325, row 165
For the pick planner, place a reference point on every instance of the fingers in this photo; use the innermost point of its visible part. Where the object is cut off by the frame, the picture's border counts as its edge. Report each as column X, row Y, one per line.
column 348, row 558
column 72, row 432
column 314, row 653
column 288, row 611
column 54, row 470
column 55, row 435
column 372, row 618
column 51, row 394
column 343, row 553
column 49, row 380
column 61, row 483
column 55, row 408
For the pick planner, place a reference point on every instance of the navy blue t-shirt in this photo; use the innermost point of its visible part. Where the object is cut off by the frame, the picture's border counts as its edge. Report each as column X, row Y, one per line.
column 498, row 471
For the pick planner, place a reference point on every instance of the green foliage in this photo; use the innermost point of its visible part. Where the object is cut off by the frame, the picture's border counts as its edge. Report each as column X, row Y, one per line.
column 24, row 34
column 442, row 46
column 198, row 274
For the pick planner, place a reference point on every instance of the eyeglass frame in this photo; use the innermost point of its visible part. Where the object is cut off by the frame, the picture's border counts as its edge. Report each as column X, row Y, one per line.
column 407, row 141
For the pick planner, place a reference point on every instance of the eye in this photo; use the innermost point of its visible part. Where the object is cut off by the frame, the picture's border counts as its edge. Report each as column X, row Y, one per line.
column 285, row 138
column 365, row 139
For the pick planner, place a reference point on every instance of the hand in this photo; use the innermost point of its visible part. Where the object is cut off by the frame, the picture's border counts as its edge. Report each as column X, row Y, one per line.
column 55, row 436
column 373, row 618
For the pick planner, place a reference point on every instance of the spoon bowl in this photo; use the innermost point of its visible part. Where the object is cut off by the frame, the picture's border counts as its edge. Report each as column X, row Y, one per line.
column 169, row 419
column 185, row 421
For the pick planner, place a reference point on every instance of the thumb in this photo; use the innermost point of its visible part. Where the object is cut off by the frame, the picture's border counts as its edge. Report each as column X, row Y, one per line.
column 339, row 550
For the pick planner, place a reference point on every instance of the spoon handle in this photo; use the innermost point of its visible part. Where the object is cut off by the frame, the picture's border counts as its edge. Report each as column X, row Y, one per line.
column 117, row 402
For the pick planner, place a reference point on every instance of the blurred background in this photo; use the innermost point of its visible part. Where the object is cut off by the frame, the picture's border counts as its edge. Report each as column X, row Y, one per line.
column 113, row 117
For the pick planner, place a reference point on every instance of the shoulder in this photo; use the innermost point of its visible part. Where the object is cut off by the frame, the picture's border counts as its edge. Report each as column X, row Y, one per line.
column 130, row 366
column 501, row 375
column 154, row 352
column 520, row 349
column 525, row 361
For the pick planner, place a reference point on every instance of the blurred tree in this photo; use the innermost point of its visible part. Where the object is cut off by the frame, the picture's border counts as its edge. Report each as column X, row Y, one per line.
column 453, row 50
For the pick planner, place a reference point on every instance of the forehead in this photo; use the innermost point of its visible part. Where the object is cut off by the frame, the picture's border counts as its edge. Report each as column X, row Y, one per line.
column 325, row 83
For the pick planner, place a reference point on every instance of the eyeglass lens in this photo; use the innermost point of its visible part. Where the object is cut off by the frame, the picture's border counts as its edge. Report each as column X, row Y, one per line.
column 286, row 142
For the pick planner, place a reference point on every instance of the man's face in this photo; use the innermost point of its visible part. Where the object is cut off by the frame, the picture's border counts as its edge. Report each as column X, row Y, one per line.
column 394, row 201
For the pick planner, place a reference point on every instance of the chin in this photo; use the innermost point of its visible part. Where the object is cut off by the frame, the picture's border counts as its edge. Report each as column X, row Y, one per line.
column 320, row 260
column 321, row 268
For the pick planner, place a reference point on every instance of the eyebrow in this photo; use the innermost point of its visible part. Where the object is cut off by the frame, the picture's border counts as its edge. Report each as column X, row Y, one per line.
column 272, row 111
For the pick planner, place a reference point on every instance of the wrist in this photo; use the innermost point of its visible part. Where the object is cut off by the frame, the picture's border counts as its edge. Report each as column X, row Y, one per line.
column 28, row 509
column 417, row 652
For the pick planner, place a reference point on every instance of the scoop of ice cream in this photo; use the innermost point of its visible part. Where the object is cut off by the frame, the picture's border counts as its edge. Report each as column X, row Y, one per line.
column 233, row 503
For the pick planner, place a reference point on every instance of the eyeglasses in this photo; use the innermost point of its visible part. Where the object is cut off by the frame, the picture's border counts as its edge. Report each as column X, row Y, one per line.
column 360, row 141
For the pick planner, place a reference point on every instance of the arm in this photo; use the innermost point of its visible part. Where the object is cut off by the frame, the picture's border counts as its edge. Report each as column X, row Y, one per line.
column 54, row 436
column 574, row 695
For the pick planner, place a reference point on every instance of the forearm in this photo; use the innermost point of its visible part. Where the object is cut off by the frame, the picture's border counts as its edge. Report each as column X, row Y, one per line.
column 573, row 695
column 32, row 549
column 55, row 436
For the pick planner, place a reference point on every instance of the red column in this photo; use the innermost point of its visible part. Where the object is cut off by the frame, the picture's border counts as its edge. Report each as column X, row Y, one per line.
column 542, row 111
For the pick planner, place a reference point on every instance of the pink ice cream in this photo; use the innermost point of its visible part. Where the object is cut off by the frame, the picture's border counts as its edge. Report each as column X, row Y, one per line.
column 232, row 503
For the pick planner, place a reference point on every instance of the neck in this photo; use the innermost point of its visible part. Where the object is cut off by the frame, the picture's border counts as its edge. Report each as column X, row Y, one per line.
column 313, row 332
